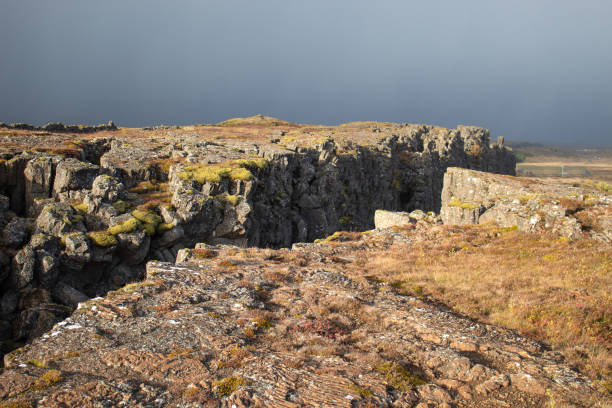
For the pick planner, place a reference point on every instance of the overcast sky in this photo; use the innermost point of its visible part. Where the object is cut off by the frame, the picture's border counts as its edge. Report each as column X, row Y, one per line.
column 531, row 70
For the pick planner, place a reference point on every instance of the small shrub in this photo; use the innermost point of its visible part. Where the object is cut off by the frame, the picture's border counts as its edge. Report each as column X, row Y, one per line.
column 227, row 385
column 180, row 352
column 204, row 253
column 263, row 323
column 363, row 392
column 48, row 379
column 321, row 327
column 604, row 187
column 398, row 377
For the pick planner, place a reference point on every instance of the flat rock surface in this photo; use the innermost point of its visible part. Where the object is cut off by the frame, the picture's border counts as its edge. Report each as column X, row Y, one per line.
column 305, row 327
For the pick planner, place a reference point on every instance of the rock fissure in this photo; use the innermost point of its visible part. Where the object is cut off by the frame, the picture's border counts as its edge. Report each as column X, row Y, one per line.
column 77, row 227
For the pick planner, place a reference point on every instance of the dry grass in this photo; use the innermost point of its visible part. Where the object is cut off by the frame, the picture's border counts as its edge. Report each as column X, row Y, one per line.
column 554, row 290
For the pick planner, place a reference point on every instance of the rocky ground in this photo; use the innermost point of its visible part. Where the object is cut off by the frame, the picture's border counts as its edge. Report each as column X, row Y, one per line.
column 209, row 322
column 305, row 327
column 532, row 205
column 83, row 208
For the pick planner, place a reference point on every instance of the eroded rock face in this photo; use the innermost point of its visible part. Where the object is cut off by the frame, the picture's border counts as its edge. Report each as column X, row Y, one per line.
column 473, row 197
column 85, row 221
column 279, row 328
column 73, row 174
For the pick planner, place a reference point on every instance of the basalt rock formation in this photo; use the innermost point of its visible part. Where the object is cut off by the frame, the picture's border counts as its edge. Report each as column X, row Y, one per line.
column 474, row 197
column 80, row 214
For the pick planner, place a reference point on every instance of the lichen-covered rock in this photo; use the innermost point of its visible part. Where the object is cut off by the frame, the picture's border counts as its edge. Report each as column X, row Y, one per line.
column 38, row 180
column 473, row 197
column 68, row 295
column 280, row 328
column 387, row 219
column 78, row 247
column 24, row 266
column 107, row 188
column 16, row 232
column 245, row 190
column 122, row 274
column 72, row 174
column 134, row 246
column 58, row 220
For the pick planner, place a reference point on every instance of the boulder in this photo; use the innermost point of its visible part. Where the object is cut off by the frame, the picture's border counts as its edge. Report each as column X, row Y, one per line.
column 134, row 246
column 474, row 197
column 72, row 174
column 107, row 188
column 34, row 322
column 68, row 295
column 38, row 178
column 170, row 237
column 5, row 266
column 16, row 232
column 78, row 247
column 123, row 274
column 388, row 219
column 48, row 268
column 24, row 266
column 59, row 219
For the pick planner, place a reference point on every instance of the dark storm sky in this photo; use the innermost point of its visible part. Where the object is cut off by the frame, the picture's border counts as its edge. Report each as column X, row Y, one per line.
column 533, row 70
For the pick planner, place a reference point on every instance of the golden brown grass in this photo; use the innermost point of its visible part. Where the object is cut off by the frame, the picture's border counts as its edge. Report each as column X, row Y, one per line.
column 552, row 289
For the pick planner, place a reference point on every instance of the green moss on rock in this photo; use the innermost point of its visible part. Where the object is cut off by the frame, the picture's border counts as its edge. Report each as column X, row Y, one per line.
column 126, row 227
column 102, row 238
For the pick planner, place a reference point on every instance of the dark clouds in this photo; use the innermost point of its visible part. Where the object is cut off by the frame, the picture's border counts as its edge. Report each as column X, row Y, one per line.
column 529, row 70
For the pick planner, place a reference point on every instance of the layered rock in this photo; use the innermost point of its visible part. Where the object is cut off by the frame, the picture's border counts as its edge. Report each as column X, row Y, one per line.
column 283, row 328
column 83, row 222
column 473, row 197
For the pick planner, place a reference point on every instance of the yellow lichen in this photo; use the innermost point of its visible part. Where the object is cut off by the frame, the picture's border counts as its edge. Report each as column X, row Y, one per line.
column 455, row 202
column 163, row 227
column 102, row 238
column 126, row 227
column 148, row 217
column 121, row 206
column 82, row 207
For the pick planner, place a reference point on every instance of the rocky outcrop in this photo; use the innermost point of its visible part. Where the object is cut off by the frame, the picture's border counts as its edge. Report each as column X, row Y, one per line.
column 61, row 128
column 283, row 328
column 74, row 228
column 473, row 197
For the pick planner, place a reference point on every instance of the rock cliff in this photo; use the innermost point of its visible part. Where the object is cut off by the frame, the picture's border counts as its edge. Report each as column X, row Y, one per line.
column 81, row 212
column 473, row 197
